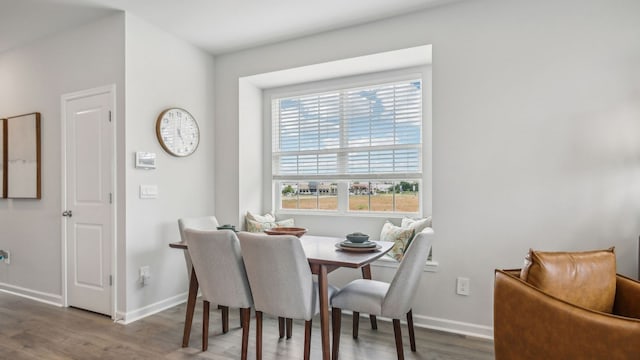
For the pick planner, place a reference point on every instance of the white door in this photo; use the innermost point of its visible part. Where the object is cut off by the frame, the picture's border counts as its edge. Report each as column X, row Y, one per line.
column 88, row 148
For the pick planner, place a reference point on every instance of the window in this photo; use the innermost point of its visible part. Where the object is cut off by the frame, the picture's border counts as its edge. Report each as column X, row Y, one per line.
column 353, row 150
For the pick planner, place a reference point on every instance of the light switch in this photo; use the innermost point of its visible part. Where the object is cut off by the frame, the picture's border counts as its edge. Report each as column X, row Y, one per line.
column 148, row 191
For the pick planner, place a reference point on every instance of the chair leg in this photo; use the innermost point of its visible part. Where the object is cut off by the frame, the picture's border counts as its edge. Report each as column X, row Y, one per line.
column 398, row 333
column 245, row 315
column 225, row 319
column 336, row 316
column 281, row 326
column 356, row 322
column 205, row 325
column 307, row 339
column 366, row 274
column 258, row 335
column 289, row 327
column 241, row 317
column 412, row 335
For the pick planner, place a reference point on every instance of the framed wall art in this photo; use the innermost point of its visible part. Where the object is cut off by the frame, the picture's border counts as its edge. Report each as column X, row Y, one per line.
column 22, row 154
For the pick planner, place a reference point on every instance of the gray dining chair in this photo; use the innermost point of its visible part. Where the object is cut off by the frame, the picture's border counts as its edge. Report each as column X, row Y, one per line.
column 222, row 276
column 281, row 281
column 201, row 223
column 198, row 223
column 391, row 300
column 211, row 223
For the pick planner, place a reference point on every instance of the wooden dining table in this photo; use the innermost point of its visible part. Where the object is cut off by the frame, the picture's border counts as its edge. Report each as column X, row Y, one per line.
column 324, row 257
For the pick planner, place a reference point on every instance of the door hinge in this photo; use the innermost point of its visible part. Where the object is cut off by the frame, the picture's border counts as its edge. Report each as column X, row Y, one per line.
column 110, row 198
column 110, row 280
column 109, row 115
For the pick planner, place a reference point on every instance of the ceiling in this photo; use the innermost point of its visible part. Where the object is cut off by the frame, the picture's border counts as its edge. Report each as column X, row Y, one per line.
column 216, row 26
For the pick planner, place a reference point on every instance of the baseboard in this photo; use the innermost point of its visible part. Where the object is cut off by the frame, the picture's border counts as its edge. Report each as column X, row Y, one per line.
column 452, row 326
column 131, row 316
column 47, row 298
column 445, row 325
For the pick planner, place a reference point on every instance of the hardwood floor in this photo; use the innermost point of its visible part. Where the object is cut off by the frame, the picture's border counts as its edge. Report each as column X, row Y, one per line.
column 32, row 330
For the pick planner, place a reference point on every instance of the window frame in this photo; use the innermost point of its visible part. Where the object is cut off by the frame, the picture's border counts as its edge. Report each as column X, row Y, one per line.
column 273, row 193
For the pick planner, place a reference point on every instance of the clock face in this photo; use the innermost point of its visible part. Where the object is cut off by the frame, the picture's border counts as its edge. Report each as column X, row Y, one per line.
column 178, row 132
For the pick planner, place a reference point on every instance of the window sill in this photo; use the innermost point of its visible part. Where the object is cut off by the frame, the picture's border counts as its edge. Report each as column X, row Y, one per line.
column 385, row 261
column 328, row 213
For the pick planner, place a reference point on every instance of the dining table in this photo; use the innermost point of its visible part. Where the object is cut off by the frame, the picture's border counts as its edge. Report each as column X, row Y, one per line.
column 324, row 257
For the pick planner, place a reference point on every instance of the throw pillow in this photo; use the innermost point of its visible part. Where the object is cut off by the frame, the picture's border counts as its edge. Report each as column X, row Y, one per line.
column 586, row 279
column 268, row 217
column 416, row 224
column 285, row 223
column 257, row 226
column 399, row 235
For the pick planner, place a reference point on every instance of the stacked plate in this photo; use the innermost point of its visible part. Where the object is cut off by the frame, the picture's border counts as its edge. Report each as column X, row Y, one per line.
column 366, row 244
column 357, row 247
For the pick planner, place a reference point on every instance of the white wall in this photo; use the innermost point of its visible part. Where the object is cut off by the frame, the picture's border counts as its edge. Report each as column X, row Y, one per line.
column 535, row 123
column 250, row 146
column 163, row 71
column 33, row 78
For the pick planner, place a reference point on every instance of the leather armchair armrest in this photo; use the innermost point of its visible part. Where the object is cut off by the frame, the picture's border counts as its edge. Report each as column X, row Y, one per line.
column 529, row 324
column 627, row 301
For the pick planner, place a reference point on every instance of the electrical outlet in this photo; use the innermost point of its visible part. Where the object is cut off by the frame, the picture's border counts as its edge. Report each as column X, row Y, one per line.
column 145, row 275
column 462, row 286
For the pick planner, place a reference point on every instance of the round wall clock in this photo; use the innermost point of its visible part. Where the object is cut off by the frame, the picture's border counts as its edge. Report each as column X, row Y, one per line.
column 177, row 132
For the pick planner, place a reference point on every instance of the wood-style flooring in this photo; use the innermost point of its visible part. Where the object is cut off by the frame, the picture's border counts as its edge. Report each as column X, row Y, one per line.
column 32, row 330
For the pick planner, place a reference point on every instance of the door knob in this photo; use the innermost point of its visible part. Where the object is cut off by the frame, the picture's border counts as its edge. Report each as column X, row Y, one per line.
column 67, row 213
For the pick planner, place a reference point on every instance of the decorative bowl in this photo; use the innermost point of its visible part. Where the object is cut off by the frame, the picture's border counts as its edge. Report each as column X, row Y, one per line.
column 357, row 237
column 296, row 231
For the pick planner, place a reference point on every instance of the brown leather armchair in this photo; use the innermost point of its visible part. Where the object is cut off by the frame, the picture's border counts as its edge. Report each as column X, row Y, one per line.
column 531, row 324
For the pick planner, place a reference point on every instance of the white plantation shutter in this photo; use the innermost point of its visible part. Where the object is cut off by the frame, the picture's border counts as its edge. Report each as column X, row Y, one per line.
column 373, row 132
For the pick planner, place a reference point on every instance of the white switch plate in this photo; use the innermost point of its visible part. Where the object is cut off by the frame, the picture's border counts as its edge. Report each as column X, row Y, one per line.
column 462, row 286
column 148, row 191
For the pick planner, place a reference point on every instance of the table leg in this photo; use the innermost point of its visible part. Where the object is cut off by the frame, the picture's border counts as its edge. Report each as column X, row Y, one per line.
column 323, row 289
column 366, row 274
column 191, row 307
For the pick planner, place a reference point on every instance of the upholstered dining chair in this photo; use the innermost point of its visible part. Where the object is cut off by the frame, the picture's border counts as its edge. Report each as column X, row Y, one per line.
column 211, row 223
column 392, row 300
column 281, row 281
column 222, row 276
column 201, row 223
column 198, row 223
